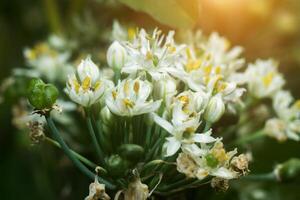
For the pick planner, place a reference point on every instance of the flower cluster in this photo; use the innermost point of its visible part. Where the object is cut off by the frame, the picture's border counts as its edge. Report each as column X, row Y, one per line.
column 160, row 101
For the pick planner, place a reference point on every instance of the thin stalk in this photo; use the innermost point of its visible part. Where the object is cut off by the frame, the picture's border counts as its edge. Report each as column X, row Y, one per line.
column 53, row 16
column 69, row 154
column 94, row 138
column 148, row 138
column 77, row 155
column 261, row 177
column 207, row 126
column 194, row 184
column 101, row 137
column 180, row 183
column 254, row 136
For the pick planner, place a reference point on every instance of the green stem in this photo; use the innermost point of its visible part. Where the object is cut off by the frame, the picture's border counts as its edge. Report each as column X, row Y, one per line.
column 53, row 15
column 77, row 155
column 69, row 154
column 94, row 138
column 250, row 138
column 261, row 177
column 194, row 184
column 207, row 126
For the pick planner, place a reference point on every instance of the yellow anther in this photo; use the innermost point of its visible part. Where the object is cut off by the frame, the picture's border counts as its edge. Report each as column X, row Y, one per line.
column 149, row 55
column 114, row 94
column 76, row 85
column 136, row 86
column 126, row 88
column 193, row 65
column 218, row 70
column 190, row 129
column 221, row 86
column 184, row 99
column 207, row 70
column 97, row 85
column 171, row 48
column 128, row 103
column 131, row 33
column 267, row 80
column 188, row 53
column 86, row 83
column 220, row 154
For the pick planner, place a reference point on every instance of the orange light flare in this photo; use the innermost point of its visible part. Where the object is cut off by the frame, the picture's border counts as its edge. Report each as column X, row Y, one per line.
column 237, row 19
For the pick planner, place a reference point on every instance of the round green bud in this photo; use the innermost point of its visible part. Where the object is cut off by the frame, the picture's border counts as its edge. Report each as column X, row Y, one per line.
column 131, row 152
column 50, row 95
column 41, row 95
column 116, row 165
column 211, row 160
column 289, row 170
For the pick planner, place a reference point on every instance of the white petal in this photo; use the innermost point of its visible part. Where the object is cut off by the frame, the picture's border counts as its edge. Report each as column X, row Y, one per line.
column 172, row 146
column 163, row 123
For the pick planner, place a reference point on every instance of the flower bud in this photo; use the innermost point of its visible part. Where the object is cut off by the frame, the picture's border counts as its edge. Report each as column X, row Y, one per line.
column 289, row 170
column 163, row 88
column 41, row 95
column 87, row 68
column 116, row 55
column 201, row 100
column 116, row 165
column 131, row 152
column 215, row 109
column 106, row 115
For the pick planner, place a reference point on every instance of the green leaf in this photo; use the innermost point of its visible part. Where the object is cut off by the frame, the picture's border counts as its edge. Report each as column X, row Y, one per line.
column 174, row 13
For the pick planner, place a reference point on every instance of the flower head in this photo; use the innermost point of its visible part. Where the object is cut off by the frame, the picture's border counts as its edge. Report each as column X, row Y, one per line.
column 153, row 54
column 129, row 98
column 263, row 78
column 85, row 87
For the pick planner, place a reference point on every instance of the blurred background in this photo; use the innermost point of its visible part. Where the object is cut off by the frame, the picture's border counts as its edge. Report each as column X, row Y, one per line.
column 265, row 28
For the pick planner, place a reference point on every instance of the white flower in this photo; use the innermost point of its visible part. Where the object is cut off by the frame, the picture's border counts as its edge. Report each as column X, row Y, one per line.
column 129, row 98
column 213, row 160
column 263, row 78
column 116, row 55
column 165, row 89
column 228, row 59
column 182, row 129
column 48, row 61
column 215, row 109
column 287, row 124
column 85, row 87
column 152, row 54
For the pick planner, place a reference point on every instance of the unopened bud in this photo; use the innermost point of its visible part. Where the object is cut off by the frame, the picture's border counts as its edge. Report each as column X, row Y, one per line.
column 163, row 88
column 116, row 165
column 289, row 170
column 41, row 95
column 106, row 115
column 116, row 55
column 215, row 109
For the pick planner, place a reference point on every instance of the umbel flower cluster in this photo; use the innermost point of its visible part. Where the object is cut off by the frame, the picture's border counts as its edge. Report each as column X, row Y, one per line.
column 156, row 123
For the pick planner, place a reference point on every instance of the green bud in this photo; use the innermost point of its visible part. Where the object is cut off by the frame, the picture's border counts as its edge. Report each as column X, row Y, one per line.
column 116, row 165
column 50, row 95
column 41, row 95
column 211, row 160
column 289, row 170
column 131, row 152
